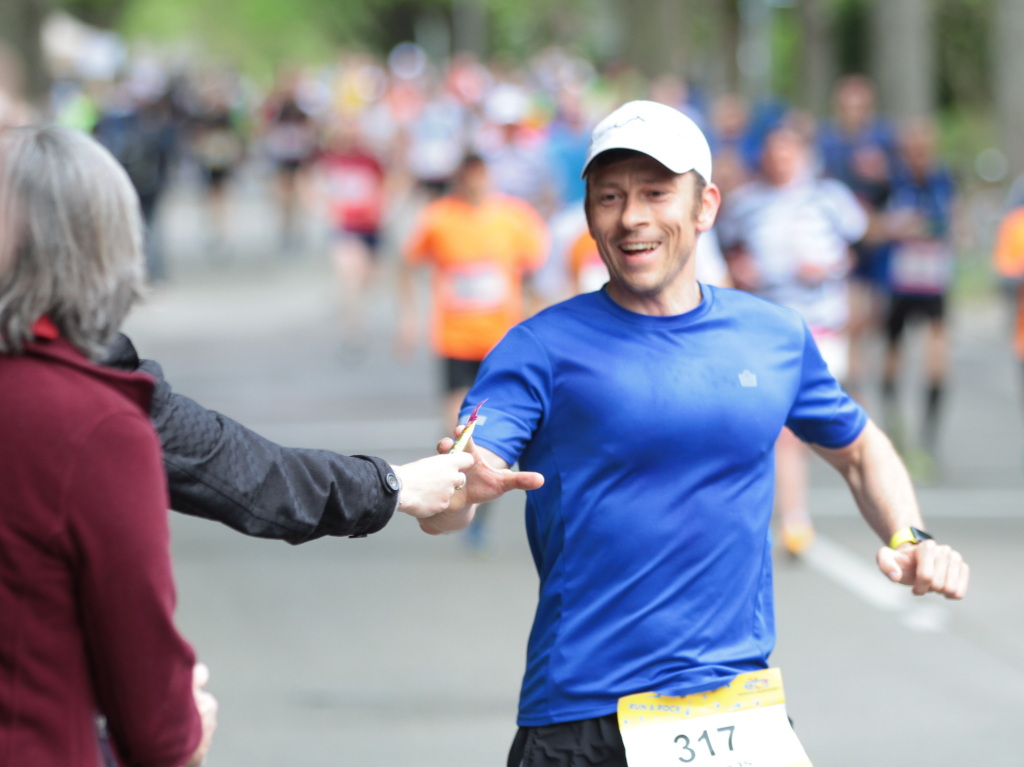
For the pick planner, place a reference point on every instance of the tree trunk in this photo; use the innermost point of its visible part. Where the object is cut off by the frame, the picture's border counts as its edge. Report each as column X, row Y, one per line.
column 728, row 17
column 1008, row 54
column 21, row 24
column 904, row 56
column 655, row 36
column 754, row 51
column 469, row 27
column 819, row 61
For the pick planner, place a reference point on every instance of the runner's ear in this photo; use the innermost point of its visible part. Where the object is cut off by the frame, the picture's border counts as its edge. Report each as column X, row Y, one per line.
column 710, row 201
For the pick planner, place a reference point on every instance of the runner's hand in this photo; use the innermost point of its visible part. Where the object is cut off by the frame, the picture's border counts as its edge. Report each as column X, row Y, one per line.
column 489, row 478
column 926, row 566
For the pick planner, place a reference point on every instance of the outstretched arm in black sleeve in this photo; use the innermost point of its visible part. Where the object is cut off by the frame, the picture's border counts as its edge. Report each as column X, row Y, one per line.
column 220, row 470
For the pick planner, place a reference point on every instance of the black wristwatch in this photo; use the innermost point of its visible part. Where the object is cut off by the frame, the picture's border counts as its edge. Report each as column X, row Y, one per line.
column 394, row 483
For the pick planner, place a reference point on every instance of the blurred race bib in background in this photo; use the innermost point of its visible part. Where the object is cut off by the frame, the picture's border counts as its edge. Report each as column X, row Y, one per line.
column 921, row 268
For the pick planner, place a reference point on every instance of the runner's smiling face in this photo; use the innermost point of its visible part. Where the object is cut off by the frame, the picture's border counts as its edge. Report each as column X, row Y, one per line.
column 645, row 220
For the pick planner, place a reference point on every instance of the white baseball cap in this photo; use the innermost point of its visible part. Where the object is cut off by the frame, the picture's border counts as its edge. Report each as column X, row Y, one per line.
column 654, row 129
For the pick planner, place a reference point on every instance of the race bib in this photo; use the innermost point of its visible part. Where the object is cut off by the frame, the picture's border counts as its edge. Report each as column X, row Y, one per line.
column 921, row 267
column 834, row 348
column 477, row 288
column 352, row 184
column 743, row 724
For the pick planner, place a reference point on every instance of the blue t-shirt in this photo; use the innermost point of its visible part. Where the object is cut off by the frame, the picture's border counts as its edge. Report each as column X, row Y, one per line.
column 650, row 534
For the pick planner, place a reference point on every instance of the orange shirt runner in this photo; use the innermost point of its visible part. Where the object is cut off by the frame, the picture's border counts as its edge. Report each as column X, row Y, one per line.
column 1009, row 263
column 480, row 255
column 586, row 269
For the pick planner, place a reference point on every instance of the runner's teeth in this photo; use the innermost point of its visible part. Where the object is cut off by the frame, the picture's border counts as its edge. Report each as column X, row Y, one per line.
column 636, row 247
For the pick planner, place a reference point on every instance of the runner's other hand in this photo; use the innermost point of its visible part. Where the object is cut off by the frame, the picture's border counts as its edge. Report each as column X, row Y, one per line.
column 926, row 566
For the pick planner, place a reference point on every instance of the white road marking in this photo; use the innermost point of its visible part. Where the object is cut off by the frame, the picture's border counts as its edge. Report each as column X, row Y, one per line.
column 924, row 614
column 866, row 581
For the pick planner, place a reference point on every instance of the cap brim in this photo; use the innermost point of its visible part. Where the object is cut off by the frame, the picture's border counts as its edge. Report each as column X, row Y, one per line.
column 641, row 145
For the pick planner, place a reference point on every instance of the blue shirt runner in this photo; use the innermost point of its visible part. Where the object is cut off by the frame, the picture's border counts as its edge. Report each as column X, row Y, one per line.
column 651, row 533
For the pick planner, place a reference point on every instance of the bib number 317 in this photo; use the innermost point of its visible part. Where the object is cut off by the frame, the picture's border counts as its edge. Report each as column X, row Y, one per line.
column 689, row 754
column 743, row 724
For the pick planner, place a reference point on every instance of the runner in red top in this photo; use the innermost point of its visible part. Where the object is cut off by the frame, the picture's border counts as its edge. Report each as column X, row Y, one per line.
column 353, row 190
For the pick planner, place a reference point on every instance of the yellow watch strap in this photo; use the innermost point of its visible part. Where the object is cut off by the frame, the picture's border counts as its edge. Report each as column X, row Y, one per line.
column 905, row 535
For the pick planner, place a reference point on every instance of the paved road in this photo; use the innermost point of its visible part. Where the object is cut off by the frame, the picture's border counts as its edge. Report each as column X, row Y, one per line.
column 403, row 649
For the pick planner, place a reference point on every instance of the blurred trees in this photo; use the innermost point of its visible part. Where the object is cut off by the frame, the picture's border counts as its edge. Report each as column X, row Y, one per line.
column 100, row 13
column 923, row 53
column 1007, row 55
column 264, row 33
column 821, row 57
column 904, row 56
column 21, row 54
column 22, row 69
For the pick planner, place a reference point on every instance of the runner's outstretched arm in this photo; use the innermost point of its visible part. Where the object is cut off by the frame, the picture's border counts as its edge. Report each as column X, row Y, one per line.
column 885, row 496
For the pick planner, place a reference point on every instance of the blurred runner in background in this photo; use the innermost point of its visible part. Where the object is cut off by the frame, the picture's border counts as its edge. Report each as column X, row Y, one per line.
column 1009, row 264
column 217, row 145
column 352, row 184
column 290, row 141
column 142, row 133
column 481, row 247
column 517, row 154
column 858, row 147
column 918, row 222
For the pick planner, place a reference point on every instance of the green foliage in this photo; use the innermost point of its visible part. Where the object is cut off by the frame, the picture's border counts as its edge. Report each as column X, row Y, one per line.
column 260, row 34
column 521, row 27
column 515, row 26
column 964, row 133
column 853, row 36
column 256, row 35
column 965, row 70
column 786, row 55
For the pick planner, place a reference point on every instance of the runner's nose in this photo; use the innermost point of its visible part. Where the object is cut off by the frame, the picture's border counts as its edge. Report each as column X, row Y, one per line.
column 634, row 212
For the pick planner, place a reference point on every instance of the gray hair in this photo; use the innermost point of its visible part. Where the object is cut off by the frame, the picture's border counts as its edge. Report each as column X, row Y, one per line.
column 70, row 238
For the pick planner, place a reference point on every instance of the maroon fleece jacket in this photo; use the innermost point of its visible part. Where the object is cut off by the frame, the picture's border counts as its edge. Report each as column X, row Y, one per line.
column 86, row 591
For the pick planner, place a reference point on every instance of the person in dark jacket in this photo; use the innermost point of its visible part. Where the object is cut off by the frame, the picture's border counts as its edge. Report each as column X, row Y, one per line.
column 86, row 593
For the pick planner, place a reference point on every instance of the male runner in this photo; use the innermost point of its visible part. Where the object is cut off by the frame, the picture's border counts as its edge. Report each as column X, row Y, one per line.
column 651, row 407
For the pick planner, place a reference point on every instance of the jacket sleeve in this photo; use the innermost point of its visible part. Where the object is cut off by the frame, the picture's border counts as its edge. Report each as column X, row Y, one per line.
column 218, row 469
